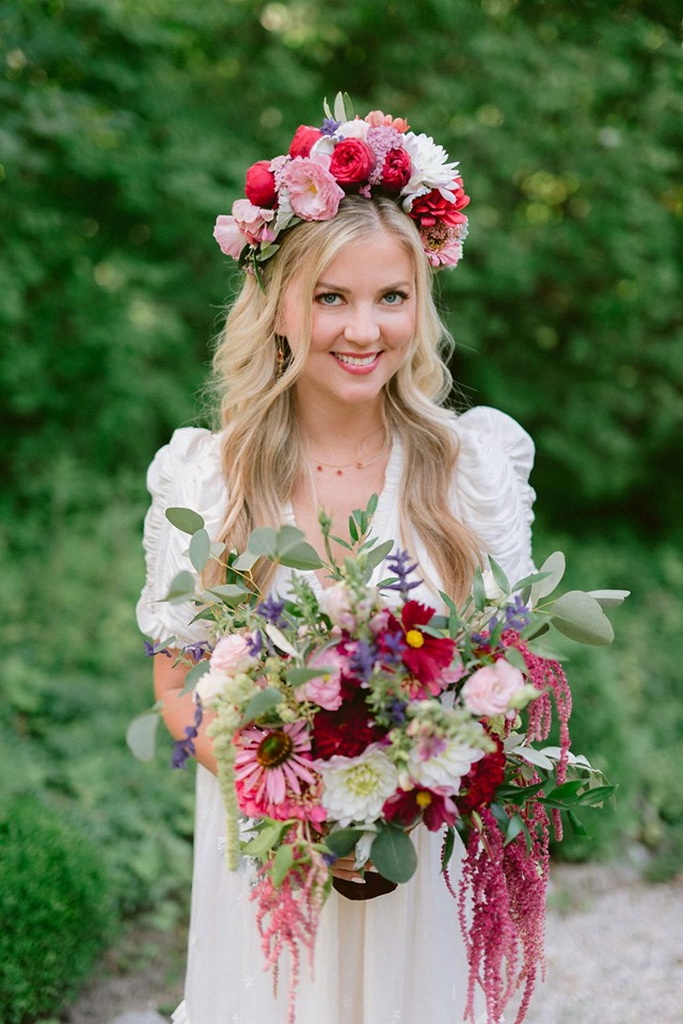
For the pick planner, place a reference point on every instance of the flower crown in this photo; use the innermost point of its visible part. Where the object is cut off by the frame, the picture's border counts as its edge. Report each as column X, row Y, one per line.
column 375, row 155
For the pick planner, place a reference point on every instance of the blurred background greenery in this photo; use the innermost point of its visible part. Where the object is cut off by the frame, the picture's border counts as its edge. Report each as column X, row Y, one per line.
column 126, row 128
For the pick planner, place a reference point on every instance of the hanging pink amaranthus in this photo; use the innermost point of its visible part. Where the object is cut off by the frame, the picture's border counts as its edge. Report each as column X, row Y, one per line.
column 502, row 895
column 287, row 914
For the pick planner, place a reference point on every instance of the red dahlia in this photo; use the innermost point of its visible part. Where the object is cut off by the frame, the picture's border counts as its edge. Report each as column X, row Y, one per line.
column 346, row 731
column 479, row 786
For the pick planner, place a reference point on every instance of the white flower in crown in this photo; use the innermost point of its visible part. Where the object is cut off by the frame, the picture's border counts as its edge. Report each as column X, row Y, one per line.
column 356, row 129
column 355, row 788
column 431, row 168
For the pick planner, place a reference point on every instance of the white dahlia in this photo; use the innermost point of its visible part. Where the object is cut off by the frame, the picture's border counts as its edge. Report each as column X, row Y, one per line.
column 431, row 168
column 355, row 788
column 445, row 767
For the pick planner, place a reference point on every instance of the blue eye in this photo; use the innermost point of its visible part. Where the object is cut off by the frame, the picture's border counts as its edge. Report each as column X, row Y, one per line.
column 395, row 298
column 328, row 298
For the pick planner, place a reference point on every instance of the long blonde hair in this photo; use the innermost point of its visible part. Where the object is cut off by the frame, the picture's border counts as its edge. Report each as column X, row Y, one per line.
column 261, row 450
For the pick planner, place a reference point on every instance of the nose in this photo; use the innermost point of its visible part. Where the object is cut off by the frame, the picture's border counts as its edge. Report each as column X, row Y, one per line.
column 362, row 327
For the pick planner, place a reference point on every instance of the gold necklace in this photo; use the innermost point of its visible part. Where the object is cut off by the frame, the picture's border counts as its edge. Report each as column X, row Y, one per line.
column 356, row 464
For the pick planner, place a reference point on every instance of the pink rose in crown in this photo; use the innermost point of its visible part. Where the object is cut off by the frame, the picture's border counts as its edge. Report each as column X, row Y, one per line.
column 253, row 221
column 259, row 185
column 229, row 236
column 304, row 139
column 232, row 655
column 352, row 161
column 434, row 208
column 490, row 690
column 313, row 192
column 396, row 170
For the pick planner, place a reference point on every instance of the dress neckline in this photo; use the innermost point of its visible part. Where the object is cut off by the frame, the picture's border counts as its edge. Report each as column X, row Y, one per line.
column 387, row 502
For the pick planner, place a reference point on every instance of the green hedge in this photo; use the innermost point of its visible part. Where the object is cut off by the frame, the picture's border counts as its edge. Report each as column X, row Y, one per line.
column 55, row 909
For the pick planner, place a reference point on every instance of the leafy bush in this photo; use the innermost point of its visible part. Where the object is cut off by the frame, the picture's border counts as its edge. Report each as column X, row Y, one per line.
column 54, row 907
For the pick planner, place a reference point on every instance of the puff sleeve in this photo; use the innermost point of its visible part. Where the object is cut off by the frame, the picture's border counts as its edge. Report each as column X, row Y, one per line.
column 186, row 472
column 493, row 492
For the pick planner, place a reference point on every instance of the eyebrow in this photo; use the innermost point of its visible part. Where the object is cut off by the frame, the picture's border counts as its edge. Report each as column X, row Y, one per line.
column 338, row 288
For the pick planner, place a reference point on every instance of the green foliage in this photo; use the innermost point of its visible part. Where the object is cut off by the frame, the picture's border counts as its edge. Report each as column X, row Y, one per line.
column 127, row 127
column 54, row 906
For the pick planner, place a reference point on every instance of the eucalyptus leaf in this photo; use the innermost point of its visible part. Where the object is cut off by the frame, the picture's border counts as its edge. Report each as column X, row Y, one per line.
column 261, row 703
column 554, row 568
column 181, row 589
column 343, row 840
column 184, row 519
column 195, row 674
column 580, row 617
column 217, row 548
column 230, row 593
column 533, row 756
column 515, row 658
column 141, row 735
column 499, row 576
column 284, row 858
column 263, row 541
column 372, row 504
column 479, row 591
column 609, row 598
column 393, row 854
column 200, row 549
column 528, row 581
column 297, row 676
column 379, row 553
column 245, row 562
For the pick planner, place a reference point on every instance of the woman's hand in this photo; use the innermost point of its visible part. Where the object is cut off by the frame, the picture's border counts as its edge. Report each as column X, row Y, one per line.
column 345, row 867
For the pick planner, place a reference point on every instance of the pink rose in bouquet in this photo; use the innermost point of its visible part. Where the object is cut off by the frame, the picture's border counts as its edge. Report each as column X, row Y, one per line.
column 491, row 689
column 313, row 192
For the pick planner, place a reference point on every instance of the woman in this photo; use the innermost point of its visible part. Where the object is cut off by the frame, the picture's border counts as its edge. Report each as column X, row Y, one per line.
column 331, row 383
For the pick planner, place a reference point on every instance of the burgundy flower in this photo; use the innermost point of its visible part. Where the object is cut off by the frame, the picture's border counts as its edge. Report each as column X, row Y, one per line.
column 352, row 161
column 479, row 786
column 426, row 656
column 434, row 806
column 433, row 208
column 304, row 139
column 259, row 186
column 346, row 731
column 396, row 170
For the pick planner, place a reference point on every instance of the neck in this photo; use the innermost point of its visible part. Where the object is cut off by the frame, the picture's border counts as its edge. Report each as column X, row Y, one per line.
column 339, row 429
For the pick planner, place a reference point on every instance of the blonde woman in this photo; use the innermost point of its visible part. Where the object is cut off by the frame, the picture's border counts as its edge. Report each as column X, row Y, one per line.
column 331, row 383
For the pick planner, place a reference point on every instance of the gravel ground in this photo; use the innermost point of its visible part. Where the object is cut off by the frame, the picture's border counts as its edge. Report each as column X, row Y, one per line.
column 614, row 951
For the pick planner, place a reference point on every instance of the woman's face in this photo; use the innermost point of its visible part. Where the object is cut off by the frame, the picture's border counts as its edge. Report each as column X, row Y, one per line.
column 362, row 323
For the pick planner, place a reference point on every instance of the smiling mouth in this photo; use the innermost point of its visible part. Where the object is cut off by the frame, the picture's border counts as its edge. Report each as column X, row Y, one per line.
column 357, row 360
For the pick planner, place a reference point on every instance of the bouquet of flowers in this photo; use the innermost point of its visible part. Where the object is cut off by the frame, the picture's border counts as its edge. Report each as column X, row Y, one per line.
column 343, row 720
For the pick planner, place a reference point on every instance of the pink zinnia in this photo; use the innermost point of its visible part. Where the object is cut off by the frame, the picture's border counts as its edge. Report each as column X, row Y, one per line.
column 272, row 767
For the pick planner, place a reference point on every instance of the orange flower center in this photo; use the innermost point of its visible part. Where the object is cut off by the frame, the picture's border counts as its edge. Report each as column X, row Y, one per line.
column 274, row 749
column 414, row 638
column 423, row 799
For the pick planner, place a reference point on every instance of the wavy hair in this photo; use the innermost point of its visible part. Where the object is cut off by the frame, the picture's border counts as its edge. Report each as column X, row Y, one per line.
column 262, row 454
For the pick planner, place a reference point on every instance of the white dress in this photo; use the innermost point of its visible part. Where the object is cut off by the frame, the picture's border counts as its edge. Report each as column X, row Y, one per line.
column 396, row 959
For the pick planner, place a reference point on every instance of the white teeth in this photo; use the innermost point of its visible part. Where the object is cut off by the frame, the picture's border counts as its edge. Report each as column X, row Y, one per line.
column 356, row 360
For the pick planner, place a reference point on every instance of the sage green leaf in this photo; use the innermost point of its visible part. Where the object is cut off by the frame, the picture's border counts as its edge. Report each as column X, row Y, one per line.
column 297, row 676
column 181, row 589
column 194, row 675
column 184, row 519
column 580, row 617
column 515, row 658
column 596, row 795
column 515, row 826
column 343, row 840
column 479, row 591
column 578, row 827
column 284, row 858
column 261, row 703
column 372, row 505
column 263, row 541
column 379, row 553
column 217, row 548
column 528, row 581
column 264, row 841
column 609, row 598
column 280, row 640
column 554, row 566
column 200, row 549
column 393, row 854
column 246, row 561
column 141, row 735
column 230, row 593
column 499, row 576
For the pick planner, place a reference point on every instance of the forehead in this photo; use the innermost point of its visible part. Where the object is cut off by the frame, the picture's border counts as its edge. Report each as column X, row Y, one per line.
column 381, row 259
